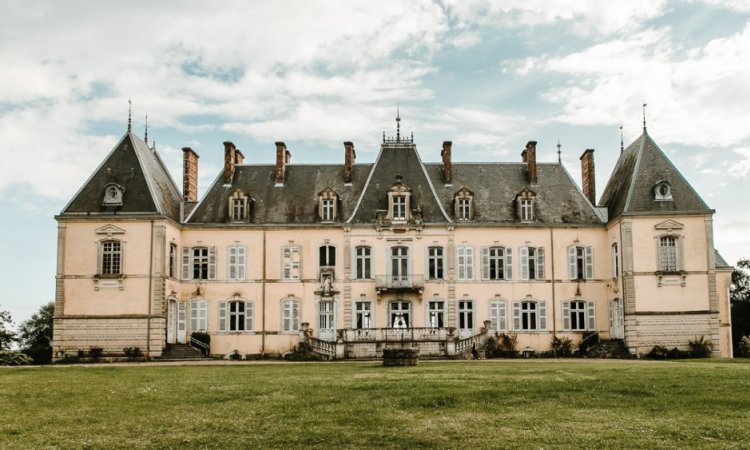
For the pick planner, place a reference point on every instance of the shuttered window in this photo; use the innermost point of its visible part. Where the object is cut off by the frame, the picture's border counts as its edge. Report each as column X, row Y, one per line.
column 290, row 316
column 465, row 262
column 236, row 257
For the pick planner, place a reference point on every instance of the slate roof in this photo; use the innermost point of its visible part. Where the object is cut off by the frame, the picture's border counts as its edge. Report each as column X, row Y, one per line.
column 148, row 187
column 720, row 261
column 640, row 167
column 496, row 185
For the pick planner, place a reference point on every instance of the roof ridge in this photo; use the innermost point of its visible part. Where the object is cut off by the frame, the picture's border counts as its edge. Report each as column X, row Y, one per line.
column 146, row 172
column 367, row 184
column 633, row 176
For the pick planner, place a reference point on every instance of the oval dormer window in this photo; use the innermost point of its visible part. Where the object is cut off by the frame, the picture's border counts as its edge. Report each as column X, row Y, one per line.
column 113, row 194
column 662, row 191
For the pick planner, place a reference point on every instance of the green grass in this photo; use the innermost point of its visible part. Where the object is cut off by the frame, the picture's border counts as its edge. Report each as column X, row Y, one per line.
column 495, row 404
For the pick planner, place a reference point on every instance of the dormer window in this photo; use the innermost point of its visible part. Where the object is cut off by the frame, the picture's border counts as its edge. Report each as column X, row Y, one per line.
column 399, row 197
column 525, row 205
column 113, row 194
column 238, row 206
column 526, row 210
column 399, row 207
column 464, row 205
column 327, row 210
column 663, row 191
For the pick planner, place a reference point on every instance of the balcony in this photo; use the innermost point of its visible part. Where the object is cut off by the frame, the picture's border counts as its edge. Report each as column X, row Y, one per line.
column 399, row 283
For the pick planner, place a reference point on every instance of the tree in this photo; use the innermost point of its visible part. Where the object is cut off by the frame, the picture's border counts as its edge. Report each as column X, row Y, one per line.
column 7, row 336
column 739, row 294
column 35, row 334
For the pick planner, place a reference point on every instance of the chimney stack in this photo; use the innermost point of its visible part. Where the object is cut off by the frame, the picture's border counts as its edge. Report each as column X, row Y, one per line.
column 447, row 165
column 229, row 158
column 349, row 157
column 189, row 175
column 530, row 159
column 523, row 156
column 588, row 179
column 239, row 158
column 283, row 156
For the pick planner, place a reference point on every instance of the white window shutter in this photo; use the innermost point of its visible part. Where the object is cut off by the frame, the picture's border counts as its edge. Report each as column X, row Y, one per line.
column 461, row 262
column 591, row 316
column 566, row 316
column 295, row 316
column 469, row 263
column 524, row 252
column 543, row 316
column 194, row 316
column 540, row 263
column 287, row 316
column 248, row 316
column 222, row 316
column 241, row 259
column 186, row 263
column 203, row 315
column 508, row 263
column 516, row 316
column 501, row 316
column 495, row 316
column 589, row 263
column 212, row 263
column 572, row 273
column 232, row 262
column 485, row 263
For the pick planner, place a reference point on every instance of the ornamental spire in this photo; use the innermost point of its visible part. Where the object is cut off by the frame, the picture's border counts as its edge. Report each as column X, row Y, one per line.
column 130, row 112
column 398, row 124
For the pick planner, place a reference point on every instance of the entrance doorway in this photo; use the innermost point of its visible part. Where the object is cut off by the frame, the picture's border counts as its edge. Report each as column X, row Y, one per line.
column 326, row 321
column 616, row 319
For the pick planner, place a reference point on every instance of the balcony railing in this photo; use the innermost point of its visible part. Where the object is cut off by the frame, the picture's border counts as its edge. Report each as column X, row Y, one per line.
column 396, row 282
column 394, row 334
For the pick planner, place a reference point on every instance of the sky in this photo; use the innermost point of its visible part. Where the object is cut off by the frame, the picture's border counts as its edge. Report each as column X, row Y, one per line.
column 487, row 75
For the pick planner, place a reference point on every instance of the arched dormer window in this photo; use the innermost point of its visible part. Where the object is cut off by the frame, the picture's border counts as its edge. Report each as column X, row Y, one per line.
column 238, row 206
column 663, row 191
column 463, row 204
column 526, row 205
column 399, row 201
column 113, row 193
column 328, row 205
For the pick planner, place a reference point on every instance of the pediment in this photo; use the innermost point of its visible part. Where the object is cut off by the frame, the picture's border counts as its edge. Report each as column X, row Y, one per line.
column 109, row 230
column 669, row 225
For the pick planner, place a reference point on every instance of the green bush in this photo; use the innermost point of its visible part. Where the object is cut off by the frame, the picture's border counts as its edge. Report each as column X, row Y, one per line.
column 11, row 358
column 95, row 353
column 700, row 347
column 661, row 352
column 132, row 352
column 501, row 346
column 744, row 347
column 562, row 346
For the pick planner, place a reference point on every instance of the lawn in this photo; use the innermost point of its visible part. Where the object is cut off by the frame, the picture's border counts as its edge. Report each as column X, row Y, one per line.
column 486, row 404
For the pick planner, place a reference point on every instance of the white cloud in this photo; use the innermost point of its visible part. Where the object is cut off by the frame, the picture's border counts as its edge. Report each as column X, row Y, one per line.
column 741, row 169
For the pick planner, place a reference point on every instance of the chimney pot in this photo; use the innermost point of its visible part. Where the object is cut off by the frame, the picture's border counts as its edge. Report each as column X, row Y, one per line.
column 447, row 162
column 531, row 161
column 229, row 161
column 189, row 175
column 239, row 157
column 349, row 157
column 588, row 175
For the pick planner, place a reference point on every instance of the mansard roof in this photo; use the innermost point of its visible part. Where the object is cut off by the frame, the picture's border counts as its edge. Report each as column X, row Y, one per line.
column 138, row 169
column 496, row 185
column 641, row 166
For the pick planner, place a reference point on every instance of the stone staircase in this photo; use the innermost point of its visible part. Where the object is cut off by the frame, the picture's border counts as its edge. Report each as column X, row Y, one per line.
column 611, row 349
column 181, row 352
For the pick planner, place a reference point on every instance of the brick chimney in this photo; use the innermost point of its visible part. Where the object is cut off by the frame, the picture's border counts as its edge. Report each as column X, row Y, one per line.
column 189, row 175
column 588, row 179
column 523, row 155
column 229, row 158
column 239, row 158
column 283, row 156
column 447, row 164
column 530, row 160
column 349, row 156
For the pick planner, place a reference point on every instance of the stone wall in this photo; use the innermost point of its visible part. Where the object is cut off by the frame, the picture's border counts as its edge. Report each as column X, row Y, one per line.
column 110, row 334
column 670, row 330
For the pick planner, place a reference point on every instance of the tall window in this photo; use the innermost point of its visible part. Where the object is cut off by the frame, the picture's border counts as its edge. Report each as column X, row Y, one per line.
column 435, row 263
column 172, row 260
column 111, row 258
column 498, row 316
column 527, row 211
column 363, row 317
column 532, row 263
column 530, row 315
column 435, row 314
column 465, row 262
column 578, row 315
column 200, row 263
column 326, row 210
column 580, row 263
column 291, row 262
column 327, row 256
column 464, row 209
column 290, row 316
column 668, row 254
column 238, row 209
column 399, row 264
column 236, row 315
column 198, row 315
column 236, row 262
column 497, row 263
column 399, row 207
column 363, row 262
column 400, row 314
column 615, row 261
column 466, row 316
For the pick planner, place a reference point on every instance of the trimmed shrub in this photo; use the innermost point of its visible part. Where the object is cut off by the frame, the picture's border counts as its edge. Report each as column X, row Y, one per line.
column 562, row 346
column 11, row 358
column 95, row 353
column 700, row 347
column 132, row 352
column 744, row 347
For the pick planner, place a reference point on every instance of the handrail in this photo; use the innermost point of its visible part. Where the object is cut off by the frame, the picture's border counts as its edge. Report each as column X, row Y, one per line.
column 590, row 336
column 320, row 346
column 470, row 342
column 202, row 346
column 394, row 334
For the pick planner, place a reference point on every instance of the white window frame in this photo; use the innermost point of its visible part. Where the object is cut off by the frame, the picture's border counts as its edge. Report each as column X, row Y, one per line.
column 585, row 312
column 503, row 263
column 291, row 263
column 435, row 314
column 238, row 209
column 230, row 321
column 236, row 262
column 110, row 259
column 172, row 265
column 435, row 269
column 409, row 322
column 464, row 208
column 615, row 260
column 527, row 210
column 326, row 256
column 669, row 255
column 584, row 254
column 189, row 260
column 363, row 262
column 465, row 263
column 466, row 314
column 398, row 207
column 532, row 263
column 534, row 323
column 364, row 315
column 498, row 315
column 327, row 210
column 198, row 316
column 290, row 315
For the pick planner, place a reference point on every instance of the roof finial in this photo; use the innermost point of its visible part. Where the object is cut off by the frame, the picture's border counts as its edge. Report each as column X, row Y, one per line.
column 622, row 142
column 559, row 152
column 145, row 135
column 398, row 123
column 644, row 116
column 130, row 111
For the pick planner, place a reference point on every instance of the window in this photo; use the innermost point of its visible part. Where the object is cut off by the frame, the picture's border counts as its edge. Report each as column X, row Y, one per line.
column 578, row 315
column 530, row 315
column 325, row 316
column 464, row 204
column 435, row 263
column 111, row 258
column 436, row 314
column 236, row 262
column 399, row 265
column 465, row 262
column 615, row 261
column 290, row 316
column 399, row 207
column 363, row 314
column 327, row 256
column 327, row 199
column 199, row 263
column 466, row 317
column 527, row 213
column 326, row 209
column 580, row 263
column 497, row 316
column 532, row 263
column 464, row 209
column 663, row 191
column 668, row 254
column 236, row 315
column 198, row 316
column 497, row 263
column 238, row 206
column 291, row 262
column 363, row 262
column 400, row 314
column 172, row 260
column 525, row 205
column 113, row 194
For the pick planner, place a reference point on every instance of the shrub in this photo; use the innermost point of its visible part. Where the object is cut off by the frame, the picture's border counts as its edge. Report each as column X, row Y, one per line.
column 11, row 358
column 745, row 346
column 132, row 352
column 700, row 347
column 562, row 346
column 661, row 352
column 509, row 342
column 95, row 353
